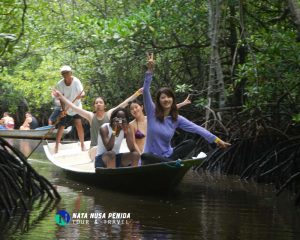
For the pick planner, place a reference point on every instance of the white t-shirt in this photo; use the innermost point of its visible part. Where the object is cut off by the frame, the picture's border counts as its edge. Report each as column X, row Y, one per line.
column 118, row 140
column 71, row 92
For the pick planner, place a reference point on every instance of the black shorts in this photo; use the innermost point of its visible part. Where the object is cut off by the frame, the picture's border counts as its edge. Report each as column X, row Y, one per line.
column 99, row 162
column 68, row 120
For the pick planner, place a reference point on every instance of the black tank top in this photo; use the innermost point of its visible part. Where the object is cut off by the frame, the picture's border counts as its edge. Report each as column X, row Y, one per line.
column 34, row 123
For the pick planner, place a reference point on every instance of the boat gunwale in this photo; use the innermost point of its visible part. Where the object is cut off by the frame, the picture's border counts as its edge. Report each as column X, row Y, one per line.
column 177, row 164
column 32, row 133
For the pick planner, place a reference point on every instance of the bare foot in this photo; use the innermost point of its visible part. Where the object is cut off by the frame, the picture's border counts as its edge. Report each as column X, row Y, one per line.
column 83, row 148
column 56, row 149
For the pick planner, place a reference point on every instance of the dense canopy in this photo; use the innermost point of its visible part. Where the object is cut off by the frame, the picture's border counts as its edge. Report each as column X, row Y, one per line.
column 226, row 53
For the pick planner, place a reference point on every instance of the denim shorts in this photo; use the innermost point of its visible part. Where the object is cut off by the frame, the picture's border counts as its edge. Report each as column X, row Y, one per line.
column 54, row 115
column 99, row 162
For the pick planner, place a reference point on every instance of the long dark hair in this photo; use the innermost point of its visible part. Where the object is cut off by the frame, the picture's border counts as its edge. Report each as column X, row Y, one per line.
column 159, row 111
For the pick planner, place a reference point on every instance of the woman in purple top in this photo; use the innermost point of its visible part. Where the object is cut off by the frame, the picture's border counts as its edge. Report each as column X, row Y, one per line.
column 163, row 119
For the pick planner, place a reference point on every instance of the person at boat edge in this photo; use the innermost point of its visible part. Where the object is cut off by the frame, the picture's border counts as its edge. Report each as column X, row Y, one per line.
column 7, row 122
column 30, row 122
column 110, row 138
column 162, row 121
column 71, row 87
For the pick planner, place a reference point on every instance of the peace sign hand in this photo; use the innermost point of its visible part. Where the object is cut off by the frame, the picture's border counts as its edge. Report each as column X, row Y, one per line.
column 150, row 62
column 187, row 100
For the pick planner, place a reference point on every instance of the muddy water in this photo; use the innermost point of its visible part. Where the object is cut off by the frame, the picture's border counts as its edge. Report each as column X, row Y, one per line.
column 205, row 206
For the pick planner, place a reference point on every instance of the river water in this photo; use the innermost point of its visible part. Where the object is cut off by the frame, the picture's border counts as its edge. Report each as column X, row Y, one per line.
column 205, row 206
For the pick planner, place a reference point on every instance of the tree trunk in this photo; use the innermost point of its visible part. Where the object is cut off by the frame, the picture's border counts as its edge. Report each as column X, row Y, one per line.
column 294, row 8
column 215, row 88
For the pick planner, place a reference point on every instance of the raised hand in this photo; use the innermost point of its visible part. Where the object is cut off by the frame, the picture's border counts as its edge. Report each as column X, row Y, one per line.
column 56, row 93
column 115, row 126
column 187, row 100
column 138, row 92
column 150, row 62
column 125, row 127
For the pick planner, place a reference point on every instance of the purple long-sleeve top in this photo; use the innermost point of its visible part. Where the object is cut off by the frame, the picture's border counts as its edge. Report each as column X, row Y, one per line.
column 159, row 134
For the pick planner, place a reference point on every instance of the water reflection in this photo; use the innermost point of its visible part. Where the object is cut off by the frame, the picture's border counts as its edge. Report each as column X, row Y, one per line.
column 20, row 221
column 25, row 146
column 206, row 206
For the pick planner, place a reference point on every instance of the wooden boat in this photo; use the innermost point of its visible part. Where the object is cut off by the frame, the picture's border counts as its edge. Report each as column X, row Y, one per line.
column 155, row 177
column 41, row 133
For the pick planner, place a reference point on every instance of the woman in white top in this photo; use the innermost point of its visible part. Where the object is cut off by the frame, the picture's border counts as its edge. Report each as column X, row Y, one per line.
column 109, row 142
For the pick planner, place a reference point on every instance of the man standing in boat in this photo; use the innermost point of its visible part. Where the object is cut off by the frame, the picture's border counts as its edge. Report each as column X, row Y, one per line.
column 72, row 90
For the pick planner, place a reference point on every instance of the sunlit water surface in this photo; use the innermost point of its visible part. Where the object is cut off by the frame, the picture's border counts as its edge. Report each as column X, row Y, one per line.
column 205, row 206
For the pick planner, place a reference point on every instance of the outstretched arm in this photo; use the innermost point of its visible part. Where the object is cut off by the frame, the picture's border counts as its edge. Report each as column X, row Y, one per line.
column 86, row 114
column 189, row 126
column 185, row 102
column 222, row 144
column 148, row 103
column 125, row 103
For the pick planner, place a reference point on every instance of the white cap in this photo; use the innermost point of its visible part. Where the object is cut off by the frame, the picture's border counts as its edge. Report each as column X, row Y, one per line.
column 66, row 69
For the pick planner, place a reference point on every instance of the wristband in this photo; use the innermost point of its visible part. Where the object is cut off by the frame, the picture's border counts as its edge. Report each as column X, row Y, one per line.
column 217, row 140
column 137, row 93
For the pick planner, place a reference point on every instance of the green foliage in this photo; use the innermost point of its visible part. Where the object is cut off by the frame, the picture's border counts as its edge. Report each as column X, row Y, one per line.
column 11, row 12
column 105, row 43
column 273, row 72
column 296, row 118
column 183, row 88
column 201, row 102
